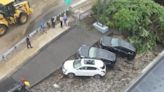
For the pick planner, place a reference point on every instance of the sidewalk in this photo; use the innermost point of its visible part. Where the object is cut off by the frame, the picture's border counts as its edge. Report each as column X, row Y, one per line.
column 12, row 64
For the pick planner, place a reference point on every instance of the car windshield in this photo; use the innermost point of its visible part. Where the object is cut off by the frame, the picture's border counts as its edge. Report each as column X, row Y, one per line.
column 77, row 63
column 126, row 45
column 92, row 52
column 115, row 42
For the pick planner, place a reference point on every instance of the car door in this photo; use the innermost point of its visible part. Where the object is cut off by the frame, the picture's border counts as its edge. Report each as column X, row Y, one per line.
column 121, row 51
column 116, row 50
column 92, row 71
column 81, row 71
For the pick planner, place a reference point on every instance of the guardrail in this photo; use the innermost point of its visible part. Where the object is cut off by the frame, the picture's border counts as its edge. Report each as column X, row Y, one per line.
column 4, row 56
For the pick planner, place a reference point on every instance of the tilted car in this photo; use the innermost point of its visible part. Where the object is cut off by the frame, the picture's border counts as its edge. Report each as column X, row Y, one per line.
column 118, row 46
column 84, row 67
column 109, row 58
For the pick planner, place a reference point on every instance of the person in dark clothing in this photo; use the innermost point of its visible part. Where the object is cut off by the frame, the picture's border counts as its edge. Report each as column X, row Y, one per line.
column 23, row 88
column 48, row 24
column 61, row 21
column 53, row 20
column 28, row 42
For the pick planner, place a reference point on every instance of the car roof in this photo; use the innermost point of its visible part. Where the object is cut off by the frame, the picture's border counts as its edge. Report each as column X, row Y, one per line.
column 102, row 54
column 115, row 42
column 98, row 53
column 91, row 62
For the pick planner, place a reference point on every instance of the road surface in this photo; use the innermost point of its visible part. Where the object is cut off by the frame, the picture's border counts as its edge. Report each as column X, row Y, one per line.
column 51, row 57
column 152, row 81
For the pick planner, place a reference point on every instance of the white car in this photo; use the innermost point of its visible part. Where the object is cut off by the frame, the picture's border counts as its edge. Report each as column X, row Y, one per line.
column 84, row 67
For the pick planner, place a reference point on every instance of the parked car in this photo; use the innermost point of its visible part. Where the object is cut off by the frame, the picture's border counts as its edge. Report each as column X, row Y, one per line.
column 84, row 67
column 118, row 46
column 109, row 58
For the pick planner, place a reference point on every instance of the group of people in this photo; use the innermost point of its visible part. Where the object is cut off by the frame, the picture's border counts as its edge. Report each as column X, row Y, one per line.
column 51, row 23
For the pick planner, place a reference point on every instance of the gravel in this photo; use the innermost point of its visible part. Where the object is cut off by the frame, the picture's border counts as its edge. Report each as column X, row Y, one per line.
column 116, row 79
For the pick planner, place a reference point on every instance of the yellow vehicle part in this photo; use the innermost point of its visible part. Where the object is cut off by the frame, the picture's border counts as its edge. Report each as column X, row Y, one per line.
column 13, row 19
column 24, row 6
column 3, row 21
column 3, row 25
column 5, row 2
column 21, row 13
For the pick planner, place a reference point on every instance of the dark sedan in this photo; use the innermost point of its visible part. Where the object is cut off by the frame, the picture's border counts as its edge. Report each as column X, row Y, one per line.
column 118, row 46
column 106, row 56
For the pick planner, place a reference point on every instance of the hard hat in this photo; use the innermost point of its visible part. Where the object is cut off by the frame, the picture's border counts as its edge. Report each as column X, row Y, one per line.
column 27, row 83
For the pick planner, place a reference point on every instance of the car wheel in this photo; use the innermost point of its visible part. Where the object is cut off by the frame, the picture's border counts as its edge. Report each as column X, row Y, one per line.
column 130, row 57
column 3, row 30
column 97, row 76
column 71, row 75
column 23, row 18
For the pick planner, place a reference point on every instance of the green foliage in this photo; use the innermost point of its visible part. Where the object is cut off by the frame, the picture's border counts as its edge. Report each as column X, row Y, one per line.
column 142, row 19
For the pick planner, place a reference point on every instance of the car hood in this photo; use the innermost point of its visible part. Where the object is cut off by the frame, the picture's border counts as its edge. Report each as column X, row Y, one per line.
column 68, row 64
column 84, row 51
column 127, row 45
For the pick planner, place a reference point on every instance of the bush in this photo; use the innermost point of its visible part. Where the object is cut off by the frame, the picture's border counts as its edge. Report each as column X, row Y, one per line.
column 142, row 19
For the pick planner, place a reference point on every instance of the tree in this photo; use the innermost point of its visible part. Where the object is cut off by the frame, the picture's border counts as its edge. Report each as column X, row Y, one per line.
column 143, row 20
column 160, row 2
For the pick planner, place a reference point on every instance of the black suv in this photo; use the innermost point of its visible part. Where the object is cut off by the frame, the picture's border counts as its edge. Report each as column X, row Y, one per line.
column 118, row 46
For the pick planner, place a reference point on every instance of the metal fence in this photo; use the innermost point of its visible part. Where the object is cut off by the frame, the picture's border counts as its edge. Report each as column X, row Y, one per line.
column 4, row 56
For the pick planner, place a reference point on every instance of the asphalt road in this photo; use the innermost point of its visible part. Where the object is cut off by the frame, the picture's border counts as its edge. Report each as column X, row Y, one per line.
column 152, row 81
column 51, row 57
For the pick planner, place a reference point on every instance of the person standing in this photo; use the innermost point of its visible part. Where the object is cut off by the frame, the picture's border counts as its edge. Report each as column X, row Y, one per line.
column 48, row 24
column 65, row 19
column 28, row 42
column 25, row 86
column 61, row 21
column 53, row 21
